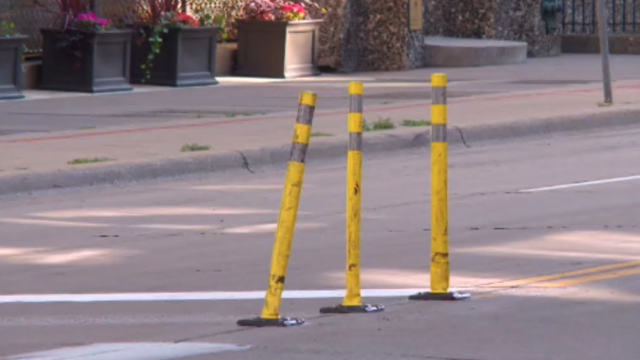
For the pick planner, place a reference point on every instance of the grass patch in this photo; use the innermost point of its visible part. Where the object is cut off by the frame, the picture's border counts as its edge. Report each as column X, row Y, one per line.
column 235, row 114
column 320, row 134
column 381, row 124
column 195, row 147
column 85, row 161
column 415, row 123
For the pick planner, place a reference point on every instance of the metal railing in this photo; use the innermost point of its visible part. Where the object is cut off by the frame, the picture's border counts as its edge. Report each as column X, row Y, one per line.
column 579, row 16
column 28, row 19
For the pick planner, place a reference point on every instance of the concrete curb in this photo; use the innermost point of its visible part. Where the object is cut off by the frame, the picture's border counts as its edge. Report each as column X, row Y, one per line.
column 321, row 148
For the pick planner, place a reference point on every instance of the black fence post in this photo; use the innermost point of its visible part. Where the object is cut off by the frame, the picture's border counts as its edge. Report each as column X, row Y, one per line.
column 95, row 6
column 635, row 21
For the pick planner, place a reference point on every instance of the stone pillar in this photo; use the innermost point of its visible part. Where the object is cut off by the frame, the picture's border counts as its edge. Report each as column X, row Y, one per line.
column 516, row 20
column 366, row 35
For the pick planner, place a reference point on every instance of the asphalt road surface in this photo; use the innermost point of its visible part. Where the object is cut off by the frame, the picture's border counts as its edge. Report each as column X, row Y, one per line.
column 162, row 270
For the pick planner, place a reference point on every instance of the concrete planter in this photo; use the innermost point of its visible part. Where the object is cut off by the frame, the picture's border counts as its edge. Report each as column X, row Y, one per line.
column 226, row 58
column 278, row 49
column 11, row 67
column 187, row 58
column 93, row 62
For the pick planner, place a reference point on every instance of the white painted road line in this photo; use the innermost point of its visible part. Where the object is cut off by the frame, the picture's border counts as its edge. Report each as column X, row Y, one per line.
column 580, row 184
column 200, row 296
column 132, row 351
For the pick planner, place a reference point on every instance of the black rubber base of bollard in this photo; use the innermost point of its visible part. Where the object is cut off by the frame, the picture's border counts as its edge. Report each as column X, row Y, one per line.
column 448, row 296
column 260, row 322
column 341, row 309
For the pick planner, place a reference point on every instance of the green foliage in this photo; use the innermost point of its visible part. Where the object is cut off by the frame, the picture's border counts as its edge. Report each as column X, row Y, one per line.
column 415, row 123
column 7, row 29
column 381, row 124
column 85, row 161
column 220, row 13
column 195, row 147
column 166, row 22
column 209, row 13
column 155, row 41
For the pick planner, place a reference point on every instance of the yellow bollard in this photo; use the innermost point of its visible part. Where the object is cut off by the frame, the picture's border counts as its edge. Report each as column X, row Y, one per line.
column 353, row 299
column 439, row 197
column 287, row 221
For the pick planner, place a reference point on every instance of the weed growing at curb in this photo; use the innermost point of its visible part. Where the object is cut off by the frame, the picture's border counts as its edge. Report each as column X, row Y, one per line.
column 320, row 134
column 415, row 123
column 85, row 161
column 195, row 147
column 381, row 124
column 235, row 114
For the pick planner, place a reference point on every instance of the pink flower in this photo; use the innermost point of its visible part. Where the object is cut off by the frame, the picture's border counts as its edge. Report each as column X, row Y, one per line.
column 91, row 18
column 87, row 17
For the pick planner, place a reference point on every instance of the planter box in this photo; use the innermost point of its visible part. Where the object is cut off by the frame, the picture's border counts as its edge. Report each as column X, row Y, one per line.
column 226, row 58
column 187, row 58
column 11, row 67
column 103, row 65
column 278, row 49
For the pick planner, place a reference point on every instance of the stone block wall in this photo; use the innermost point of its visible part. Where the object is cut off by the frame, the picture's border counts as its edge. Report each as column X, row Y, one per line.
column 368, row 35
column 517, row 20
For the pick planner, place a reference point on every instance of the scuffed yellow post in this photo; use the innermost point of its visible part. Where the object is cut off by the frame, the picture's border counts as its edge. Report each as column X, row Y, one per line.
column 439, row 192
column 440, row 272
column 287, row 220
column 352, row 302
column 354, row 198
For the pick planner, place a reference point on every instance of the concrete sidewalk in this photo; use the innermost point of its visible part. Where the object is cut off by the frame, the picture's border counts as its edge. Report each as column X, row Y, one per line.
column 244, row 139
column 47, row 111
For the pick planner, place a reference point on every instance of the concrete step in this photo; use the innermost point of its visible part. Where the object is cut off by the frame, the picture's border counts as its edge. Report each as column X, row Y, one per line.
column 455, row 52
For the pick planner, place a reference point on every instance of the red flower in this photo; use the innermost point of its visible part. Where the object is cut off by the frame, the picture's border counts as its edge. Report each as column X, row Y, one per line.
column 184, row 18
column 294, row 12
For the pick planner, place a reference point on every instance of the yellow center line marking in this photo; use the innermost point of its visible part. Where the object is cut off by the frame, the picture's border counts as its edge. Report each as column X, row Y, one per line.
column 559, row 276
column 593, row 278
column 486, row 295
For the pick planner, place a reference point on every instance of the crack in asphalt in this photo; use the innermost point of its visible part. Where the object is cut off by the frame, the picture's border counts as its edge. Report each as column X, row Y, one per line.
column 464, row 141
column 245, row 163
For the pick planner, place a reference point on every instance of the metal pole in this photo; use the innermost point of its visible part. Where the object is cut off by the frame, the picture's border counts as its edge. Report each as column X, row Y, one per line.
column 604, row 51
